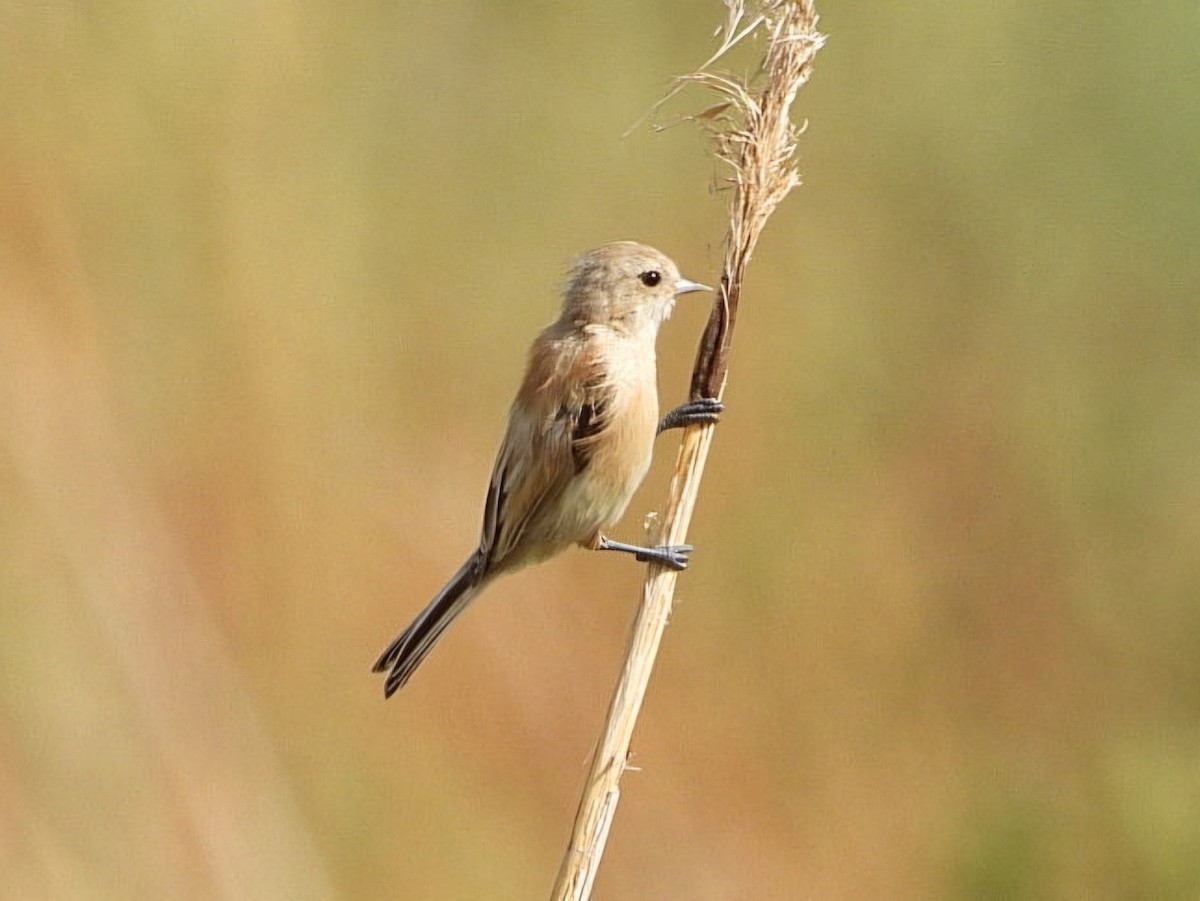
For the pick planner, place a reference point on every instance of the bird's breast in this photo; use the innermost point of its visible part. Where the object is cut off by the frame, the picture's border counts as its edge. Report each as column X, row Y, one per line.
column 621, row 454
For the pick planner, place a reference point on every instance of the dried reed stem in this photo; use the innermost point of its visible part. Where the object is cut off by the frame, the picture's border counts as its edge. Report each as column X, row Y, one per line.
column 752, row 132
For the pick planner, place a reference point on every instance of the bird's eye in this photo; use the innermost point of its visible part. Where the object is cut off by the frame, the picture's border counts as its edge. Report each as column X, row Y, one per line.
column 651, row 278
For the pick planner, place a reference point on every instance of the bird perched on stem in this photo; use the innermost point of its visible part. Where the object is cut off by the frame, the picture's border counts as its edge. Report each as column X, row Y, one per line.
column 580, row 436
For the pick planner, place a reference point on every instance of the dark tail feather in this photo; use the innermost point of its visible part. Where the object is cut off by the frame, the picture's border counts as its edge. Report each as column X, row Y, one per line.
column 405, row 654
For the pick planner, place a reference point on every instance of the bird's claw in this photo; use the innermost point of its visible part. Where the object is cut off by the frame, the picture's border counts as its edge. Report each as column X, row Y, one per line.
column 703, row 410
column 674, row 556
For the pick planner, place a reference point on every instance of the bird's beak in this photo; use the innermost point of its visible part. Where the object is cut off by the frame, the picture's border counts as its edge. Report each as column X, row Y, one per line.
column 683, row 286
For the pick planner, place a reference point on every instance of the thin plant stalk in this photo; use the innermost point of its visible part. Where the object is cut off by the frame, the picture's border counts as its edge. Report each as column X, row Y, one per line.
column 753, row 133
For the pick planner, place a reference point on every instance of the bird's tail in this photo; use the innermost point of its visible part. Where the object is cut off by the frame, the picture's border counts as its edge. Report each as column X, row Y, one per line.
column 405, row 654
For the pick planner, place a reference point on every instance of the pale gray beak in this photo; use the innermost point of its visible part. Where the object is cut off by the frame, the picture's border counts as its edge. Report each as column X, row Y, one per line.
column 683, row 286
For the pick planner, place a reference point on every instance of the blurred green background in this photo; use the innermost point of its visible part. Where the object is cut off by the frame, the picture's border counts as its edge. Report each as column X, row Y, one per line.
column 268, row 273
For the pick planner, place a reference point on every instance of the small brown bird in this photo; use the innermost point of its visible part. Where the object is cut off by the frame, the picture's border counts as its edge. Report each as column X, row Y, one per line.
column 580, row 436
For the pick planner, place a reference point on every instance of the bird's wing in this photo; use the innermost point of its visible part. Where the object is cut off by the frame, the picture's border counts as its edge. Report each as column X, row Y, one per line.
column 560, row 411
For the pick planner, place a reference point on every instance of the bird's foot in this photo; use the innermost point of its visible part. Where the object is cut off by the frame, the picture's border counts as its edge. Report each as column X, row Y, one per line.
column 674, row 556
column 704, row 410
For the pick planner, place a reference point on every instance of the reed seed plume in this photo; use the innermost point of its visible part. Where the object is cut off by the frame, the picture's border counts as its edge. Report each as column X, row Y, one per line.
column 753, row 133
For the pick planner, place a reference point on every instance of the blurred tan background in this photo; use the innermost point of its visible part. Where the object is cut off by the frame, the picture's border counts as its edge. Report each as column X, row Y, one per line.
column 267, row 277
